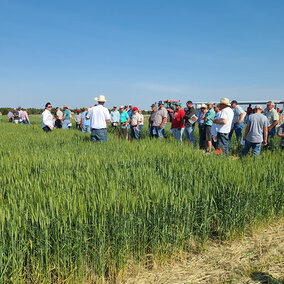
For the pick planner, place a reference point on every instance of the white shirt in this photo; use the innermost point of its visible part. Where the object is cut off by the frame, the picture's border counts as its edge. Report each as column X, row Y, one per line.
column 47, row 119
column 98, row 116
column 215, row 127
column 228, row 114
column 237, row 112
column 141, row 119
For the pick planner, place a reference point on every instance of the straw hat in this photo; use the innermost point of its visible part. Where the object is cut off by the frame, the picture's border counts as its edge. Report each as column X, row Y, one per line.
column 65, row 106
column 225, row 101
column 101, row 99
column 203, row 106
column 121, row 107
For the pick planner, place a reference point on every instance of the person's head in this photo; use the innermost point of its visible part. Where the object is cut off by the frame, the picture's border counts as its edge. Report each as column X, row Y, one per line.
column 19, row 108
column 234, row 103
column 65, row 107
column 178, row 106
column 258, row 109
column 161, row 104
column 121, row 109
column 224, row 102
column 189, row 104
column 270, row 105
column 15, row 109
column 249, row 105
column 140, row 111
column 114, row 108
column 134, row 109
column 126, row 108
column 203, row 107
column 26, row 110
column 101, row 99
column 48, row 106
column 131, row 107
column 210, row 105
column 78, row 111
column 154, row 108
column 217, row 108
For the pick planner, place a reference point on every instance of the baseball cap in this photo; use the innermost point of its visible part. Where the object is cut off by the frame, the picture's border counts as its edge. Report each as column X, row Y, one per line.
column 135, row 108
column 152, row 105
column 258, row 107
column 161, row 103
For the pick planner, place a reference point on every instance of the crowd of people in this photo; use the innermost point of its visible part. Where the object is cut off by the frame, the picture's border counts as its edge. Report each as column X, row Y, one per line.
column 216, row 123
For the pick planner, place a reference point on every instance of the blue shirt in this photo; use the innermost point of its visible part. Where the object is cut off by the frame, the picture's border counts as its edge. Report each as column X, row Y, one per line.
column 124, row 116
column 86, row 122
column 68, row 115
column 209, row 115
column 114, row 116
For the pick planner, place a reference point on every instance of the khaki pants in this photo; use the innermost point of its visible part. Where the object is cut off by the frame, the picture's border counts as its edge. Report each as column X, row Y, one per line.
column 124, row 132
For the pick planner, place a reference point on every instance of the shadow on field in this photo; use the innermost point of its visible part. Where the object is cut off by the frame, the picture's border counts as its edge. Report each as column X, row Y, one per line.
column 265, row 278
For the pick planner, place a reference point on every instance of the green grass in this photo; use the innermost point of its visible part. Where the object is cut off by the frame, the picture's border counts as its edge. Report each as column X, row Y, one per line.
column 69, row 207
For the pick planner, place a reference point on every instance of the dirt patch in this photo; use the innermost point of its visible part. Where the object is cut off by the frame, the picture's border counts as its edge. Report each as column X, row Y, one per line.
column 256, row 258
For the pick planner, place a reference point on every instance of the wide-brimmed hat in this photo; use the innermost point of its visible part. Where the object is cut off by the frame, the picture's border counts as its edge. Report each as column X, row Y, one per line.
column 203, row 106
column 100, row 99
column 225, row 101
column 210, row 103
column 121, row 107
column 65, row 106
column 258, row 107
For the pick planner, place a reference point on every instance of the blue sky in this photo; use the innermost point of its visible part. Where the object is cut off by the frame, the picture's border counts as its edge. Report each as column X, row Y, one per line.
column 140, row 51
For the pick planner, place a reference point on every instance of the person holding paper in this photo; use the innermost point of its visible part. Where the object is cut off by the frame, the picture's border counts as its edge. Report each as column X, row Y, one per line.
column 189, row 120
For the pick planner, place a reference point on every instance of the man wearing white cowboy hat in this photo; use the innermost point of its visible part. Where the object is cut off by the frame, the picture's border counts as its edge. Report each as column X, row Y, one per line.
column 224, row 122
column 99, row 117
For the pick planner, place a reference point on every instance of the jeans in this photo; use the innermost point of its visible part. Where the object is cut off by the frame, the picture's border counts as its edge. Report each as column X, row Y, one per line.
column 178, row 133
column 239, row 132
column 223, row 141
column 140, row 127
column 25, row 122
column 272, row 132
column 65, row 124
column 99, row 135
column 46, row 129
column 202, row 136
column 189, row 134
column 85, row 128
column 256, row 147
column 134, row 132
column 156, row 131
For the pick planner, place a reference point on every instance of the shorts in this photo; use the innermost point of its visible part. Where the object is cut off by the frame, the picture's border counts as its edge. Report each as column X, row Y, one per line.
column 208, row 135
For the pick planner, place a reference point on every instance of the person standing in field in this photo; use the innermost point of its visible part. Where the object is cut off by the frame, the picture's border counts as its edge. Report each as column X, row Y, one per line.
column 161, row 120
column 124, row 121
column 190, row 115
column 280, row 134
column 201, row 126
column 78, row 119
column 178, row 123
column 47, row 119
column 249, row 110
column 134, row 124
column 58, row 118
column 214, row 129
column 16, row 116
column 25, row 117
column 224, row 122
column 66, row 117
column 130, row 111
column 10, row 116
column 85, row 123
column 114, row 118
column 99, row 118
column 153, row 125
column 20, row 114
column 141, row 120
column 208, row 117
column 256, row 132
column 273, row 119
column 238, row 121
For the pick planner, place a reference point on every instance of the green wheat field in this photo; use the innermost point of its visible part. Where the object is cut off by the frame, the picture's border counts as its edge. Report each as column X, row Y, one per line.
column 72, row 210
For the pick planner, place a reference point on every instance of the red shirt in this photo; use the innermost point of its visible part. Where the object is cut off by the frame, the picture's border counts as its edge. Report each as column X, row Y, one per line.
column 177, row 119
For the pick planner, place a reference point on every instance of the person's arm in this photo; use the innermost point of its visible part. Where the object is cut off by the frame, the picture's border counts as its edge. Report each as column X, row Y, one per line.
column 220, row 121
column 181, row 115
column 280, row 132
column 265, row 135
column 46, row 121
column 163, row 122
column 240, row 119
column 246, row 132
column 63, row 117
column 273, row 125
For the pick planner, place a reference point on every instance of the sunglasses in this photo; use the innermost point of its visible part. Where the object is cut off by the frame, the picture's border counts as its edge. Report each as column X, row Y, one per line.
column 49, row 106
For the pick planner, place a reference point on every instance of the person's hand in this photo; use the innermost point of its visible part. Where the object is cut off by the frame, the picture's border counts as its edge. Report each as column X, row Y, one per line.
column 269, row 129
column 161, row 126
column 136, row 128
column 264, row 143
column 206, row 110
column 237, row 123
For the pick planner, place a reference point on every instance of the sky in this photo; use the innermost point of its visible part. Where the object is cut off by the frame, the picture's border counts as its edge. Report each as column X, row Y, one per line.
column 140, row 51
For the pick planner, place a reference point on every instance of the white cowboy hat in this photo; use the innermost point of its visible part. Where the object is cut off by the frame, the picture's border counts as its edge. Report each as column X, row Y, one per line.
column 100, row 99
column 203, row 106
column 225, row 101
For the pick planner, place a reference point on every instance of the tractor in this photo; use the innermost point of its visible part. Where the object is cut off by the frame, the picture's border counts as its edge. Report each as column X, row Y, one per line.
column 170, row 106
